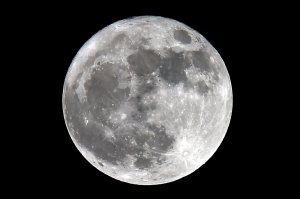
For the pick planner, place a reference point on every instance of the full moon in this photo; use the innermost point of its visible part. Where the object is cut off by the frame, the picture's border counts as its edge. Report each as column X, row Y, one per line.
column 147, row 100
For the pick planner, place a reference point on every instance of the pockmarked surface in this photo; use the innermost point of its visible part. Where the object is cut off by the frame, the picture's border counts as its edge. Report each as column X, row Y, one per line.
column 147, row 100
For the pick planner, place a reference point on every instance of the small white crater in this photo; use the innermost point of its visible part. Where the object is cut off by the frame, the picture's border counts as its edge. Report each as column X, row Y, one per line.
column 123, row 116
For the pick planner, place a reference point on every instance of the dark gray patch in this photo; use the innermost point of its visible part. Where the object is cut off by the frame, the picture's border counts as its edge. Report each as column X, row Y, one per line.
column 103, row 148
column 140, row 109
column 140, row 112
column 142, row 163
column 201, row 60
column 100, row 89
column 144, row 62
column 125, row 134
column 173, row 67
column 161, row 140
column 141, row 139
column 126, row 147
column 202, row 88
column 91, row 135
column 147, row 87
column 115, row 152
column 182, row 36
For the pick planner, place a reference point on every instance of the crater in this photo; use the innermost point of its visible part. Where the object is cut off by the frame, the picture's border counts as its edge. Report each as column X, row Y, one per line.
column 100, row 164
column 182, row 36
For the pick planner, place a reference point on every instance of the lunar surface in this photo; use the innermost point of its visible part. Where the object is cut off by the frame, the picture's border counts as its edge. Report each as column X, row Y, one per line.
column 147, row 100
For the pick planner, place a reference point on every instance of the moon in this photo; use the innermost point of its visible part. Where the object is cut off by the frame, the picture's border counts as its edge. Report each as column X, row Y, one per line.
column 147, row 100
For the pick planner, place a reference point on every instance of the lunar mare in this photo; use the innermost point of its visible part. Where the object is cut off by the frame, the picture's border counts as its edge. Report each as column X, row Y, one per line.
column 147, row 100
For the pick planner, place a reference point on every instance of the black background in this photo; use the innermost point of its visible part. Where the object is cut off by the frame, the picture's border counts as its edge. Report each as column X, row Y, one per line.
column 48, row 37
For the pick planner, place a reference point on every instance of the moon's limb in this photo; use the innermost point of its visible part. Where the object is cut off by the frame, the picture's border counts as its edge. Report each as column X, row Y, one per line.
column 147, row 100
